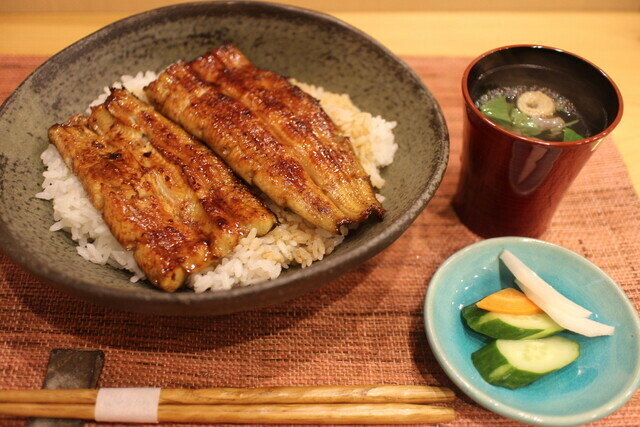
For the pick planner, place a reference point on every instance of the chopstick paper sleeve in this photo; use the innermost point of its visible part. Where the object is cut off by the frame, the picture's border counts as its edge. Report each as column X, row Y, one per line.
column 129, row 405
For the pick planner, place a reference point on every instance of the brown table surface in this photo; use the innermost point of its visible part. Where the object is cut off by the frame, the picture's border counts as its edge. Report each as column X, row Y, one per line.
column 365, row 327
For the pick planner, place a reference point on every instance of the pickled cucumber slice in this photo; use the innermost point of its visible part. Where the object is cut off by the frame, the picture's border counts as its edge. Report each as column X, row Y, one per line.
column 509, row 326
column 514, row 364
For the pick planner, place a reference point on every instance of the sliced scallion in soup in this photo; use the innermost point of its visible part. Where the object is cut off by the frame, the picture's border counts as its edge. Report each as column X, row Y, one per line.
column 533, row 112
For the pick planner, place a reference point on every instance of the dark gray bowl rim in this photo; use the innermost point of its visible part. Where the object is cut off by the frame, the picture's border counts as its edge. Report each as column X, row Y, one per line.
column 355, row 255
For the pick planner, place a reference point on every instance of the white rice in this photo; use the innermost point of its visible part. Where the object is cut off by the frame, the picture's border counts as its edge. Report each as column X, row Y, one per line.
column 293, row 242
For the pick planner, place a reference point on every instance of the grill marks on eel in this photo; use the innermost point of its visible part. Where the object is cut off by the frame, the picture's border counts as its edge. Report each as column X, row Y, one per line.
column 243, row 141
column 163, row 194
column 226, row 200
column 299, row 123
column 271, row 133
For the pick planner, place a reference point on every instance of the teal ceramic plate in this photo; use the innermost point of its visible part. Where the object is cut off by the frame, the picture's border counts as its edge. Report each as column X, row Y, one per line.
column 604, row 377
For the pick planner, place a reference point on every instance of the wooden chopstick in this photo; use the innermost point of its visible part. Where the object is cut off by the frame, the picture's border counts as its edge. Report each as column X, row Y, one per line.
column 383, row 413
column 373, row 404
column 258, row 395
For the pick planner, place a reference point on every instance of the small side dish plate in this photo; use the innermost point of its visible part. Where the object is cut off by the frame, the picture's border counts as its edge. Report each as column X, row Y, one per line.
column 604, row 377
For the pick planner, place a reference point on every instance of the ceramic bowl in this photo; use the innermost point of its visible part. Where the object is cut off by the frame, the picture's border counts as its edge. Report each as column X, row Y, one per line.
column 310, row 46
column 602, row 379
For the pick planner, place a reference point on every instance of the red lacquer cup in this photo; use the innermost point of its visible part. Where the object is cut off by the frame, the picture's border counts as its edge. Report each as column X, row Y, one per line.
column 511, row 185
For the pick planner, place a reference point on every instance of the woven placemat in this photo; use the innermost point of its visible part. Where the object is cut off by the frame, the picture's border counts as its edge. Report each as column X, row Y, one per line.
column 366, row 327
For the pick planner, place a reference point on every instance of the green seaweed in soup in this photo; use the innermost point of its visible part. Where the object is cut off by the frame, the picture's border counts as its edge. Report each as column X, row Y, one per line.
column 533, row 112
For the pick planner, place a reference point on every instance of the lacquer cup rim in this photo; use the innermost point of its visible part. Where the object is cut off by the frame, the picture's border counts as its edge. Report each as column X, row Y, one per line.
column 471, row 107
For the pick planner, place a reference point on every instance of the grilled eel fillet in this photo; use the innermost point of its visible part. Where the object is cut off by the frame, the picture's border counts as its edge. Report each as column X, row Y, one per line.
column 136, row 168
column 298, row 122
column 225, row 198
column 244, row 142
